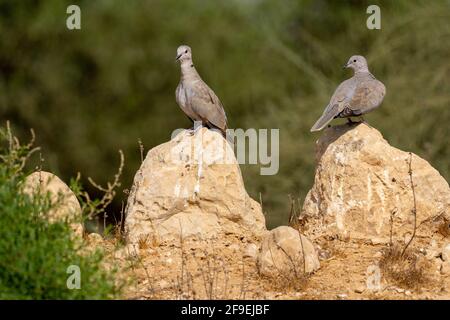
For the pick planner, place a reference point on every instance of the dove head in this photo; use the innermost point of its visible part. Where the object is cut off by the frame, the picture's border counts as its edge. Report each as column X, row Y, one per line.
column 357, row 63
column 184, row 53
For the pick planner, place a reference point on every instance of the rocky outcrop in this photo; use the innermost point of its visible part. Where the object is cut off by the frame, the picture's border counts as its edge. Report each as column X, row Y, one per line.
column 285, row 251
column 362, row 190
column 65, row 205
column 191, row 187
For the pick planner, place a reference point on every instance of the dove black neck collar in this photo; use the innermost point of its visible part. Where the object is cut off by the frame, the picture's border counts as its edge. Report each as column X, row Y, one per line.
column 188, row 70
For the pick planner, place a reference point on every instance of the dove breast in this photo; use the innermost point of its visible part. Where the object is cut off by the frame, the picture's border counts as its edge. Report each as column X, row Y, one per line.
column 182, row 95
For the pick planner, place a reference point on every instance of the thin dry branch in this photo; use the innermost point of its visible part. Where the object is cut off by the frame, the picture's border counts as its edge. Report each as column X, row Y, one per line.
column 414, row 209
column 94, row 208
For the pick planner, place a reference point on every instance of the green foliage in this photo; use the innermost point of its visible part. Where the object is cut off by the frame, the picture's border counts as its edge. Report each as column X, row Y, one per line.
column 35, row 254
column 274, row 64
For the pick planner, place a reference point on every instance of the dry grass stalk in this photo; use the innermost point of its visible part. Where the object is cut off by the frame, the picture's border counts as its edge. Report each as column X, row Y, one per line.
column 401, row 265
column 294, row 277
column 414, row 209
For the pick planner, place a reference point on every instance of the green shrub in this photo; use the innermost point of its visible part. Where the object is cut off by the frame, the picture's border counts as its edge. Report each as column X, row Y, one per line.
column 35, row 254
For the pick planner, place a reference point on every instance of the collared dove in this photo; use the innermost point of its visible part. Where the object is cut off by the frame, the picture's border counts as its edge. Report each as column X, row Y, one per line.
column 194, row 96
column 355, row 96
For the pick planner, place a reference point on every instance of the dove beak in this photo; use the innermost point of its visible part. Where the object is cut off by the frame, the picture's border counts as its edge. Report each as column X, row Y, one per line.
column 345, row 66
column 178, row 57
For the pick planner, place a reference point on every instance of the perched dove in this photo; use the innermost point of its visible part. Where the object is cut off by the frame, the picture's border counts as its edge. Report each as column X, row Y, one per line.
column 194, row 96
column 355, row 96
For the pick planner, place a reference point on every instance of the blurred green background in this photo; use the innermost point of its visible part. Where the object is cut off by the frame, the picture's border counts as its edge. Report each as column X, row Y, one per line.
column 274, row 64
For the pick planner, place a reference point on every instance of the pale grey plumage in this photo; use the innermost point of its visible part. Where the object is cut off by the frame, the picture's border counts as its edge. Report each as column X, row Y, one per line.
column 195, row 98
column 355, row 96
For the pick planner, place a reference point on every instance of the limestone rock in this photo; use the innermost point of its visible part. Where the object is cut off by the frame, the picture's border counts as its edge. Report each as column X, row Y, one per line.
column 192, row 187
column 446, row 252
column 94, row 239
column 65, row 203
column 284, row 250
column 251, row 251
column 361, row 180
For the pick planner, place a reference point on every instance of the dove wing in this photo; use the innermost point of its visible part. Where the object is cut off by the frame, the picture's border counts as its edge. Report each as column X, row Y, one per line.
column 368, row 95
column 208, row 107
column 337, row 104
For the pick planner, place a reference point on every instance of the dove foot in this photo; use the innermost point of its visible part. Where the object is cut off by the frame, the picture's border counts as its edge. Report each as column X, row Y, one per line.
column 351, row 122
column 194, row 129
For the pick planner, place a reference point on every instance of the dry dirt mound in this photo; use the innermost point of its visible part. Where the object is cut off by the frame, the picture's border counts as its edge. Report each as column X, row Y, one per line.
column 194, row 233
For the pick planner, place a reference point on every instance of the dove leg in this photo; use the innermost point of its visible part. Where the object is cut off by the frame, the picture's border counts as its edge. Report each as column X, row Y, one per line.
column 197, row 126
column 192, row 130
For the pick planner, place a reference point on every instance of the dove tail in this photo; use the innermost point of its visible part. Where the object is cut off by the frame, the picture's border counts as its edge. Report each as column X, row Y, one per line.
column 222, row 131
column 323, row 121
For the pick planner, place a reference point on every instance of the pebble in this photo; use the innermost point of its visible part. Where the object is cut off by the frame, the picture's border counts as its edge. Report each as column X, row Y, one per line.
column 324, row 255
column 376, row 241
column 251, row 251
column 95, row 237
column 163, row 284
column 342, row 296
column 360, row 289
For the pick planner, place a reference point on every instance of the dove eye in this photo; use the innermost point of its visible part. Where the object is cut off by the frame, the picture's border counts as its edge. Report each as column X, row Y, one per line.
column 354, row 60
column 185, row 51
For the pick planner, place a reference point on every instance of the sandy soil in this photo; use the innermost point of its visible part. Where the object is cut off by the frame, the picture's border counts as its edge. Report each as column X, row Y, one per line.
column 221, row 269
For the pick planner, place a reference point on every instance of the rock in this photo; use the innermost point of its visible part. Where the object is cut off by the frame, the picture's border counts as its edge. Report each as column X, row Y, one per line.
column 163, row 284
column 284, row 250
column 360, row 288
column 191, row 187
column 95, row 238
column 360, row 180
column 251, row 251
column 377, row 241
column 65, row 204
column 342, row 296
column 323, row 254
column 446, row 252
